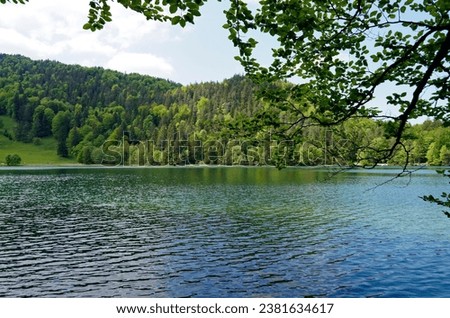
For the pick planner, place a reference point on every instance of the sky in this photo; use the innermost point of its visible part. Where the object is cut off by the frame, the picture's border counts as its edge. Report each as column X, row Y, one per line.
column 52, row 29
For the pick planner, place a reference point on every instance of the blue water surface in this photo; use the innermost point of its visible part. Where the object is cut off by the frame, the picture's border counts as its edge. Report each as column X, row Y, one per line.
column 221, row 232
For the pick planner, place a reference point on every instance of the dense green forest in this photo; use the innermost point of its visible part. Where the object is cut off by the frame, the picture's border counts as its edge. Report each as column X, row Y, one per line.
column 100, row 116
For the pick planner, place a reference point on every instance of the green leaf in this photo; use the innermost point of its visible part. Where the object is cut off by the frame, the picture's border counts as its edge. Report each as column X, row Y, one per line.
column 173, row 8
column 87, row 26
column 176, row 20
column 189, row 17
column 193, row 6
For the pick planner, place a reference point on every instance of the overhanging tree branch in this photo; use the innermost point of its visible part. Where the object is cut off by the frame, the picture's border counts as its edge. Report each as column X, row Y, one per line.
column 440, row 56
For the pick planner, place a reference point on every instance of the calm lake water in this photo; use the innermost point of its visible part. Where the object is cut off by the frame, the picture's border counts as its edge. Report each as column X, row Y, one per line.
column 221, row 232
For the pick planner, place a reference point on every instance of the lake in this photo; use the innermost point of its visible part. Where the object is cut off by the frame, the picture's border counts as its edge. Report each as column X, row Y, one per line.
column 221, row 232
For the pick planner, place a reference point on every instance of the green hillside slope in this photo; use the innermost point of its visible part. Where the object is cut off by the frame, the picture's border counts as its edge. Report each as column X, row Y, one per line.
column 52, row 113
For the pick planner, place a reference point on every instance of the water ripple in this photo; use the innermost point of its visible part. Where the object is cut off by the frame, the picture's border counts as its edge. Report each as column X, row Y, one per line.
column 217, row 233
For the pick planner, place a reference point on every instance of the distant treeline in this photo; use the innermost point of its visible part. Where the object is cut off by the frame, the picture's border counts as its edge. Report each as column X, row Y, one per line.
column 102, row 116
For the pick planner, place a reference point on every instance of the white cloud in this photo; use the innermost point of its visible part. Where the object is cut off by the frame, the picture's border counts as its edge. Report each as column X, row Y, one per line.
column 52, row 29
column 13, row 42
column 88, row 44
column 143, row 63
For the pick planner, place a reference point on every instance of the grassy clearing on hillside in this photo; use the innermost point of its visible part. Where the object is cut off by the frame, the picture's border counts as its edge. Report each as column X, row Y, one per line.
column 44, row 154
column 31, row 154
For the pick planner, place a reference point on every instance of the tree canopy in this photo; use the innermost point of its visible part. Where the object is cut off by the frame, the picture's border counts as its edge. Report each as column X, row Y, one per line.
column 344, row 51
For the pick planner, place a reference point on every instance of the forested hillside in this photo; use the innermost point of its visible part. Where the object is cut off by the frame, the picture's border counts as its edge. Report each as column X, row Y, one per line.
column 102, row 116
column 84, row 107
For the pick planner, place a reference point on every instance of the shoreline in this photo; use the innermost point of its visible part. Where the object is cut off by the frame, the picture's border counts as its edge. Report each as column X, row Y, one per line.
column 100, row 166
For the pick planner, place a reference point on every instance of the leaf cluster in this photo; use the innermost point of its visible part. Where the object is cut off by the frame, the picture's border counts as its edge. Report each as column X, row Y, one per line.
column 177, row 12
column 444, row 199
column 344, row 51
